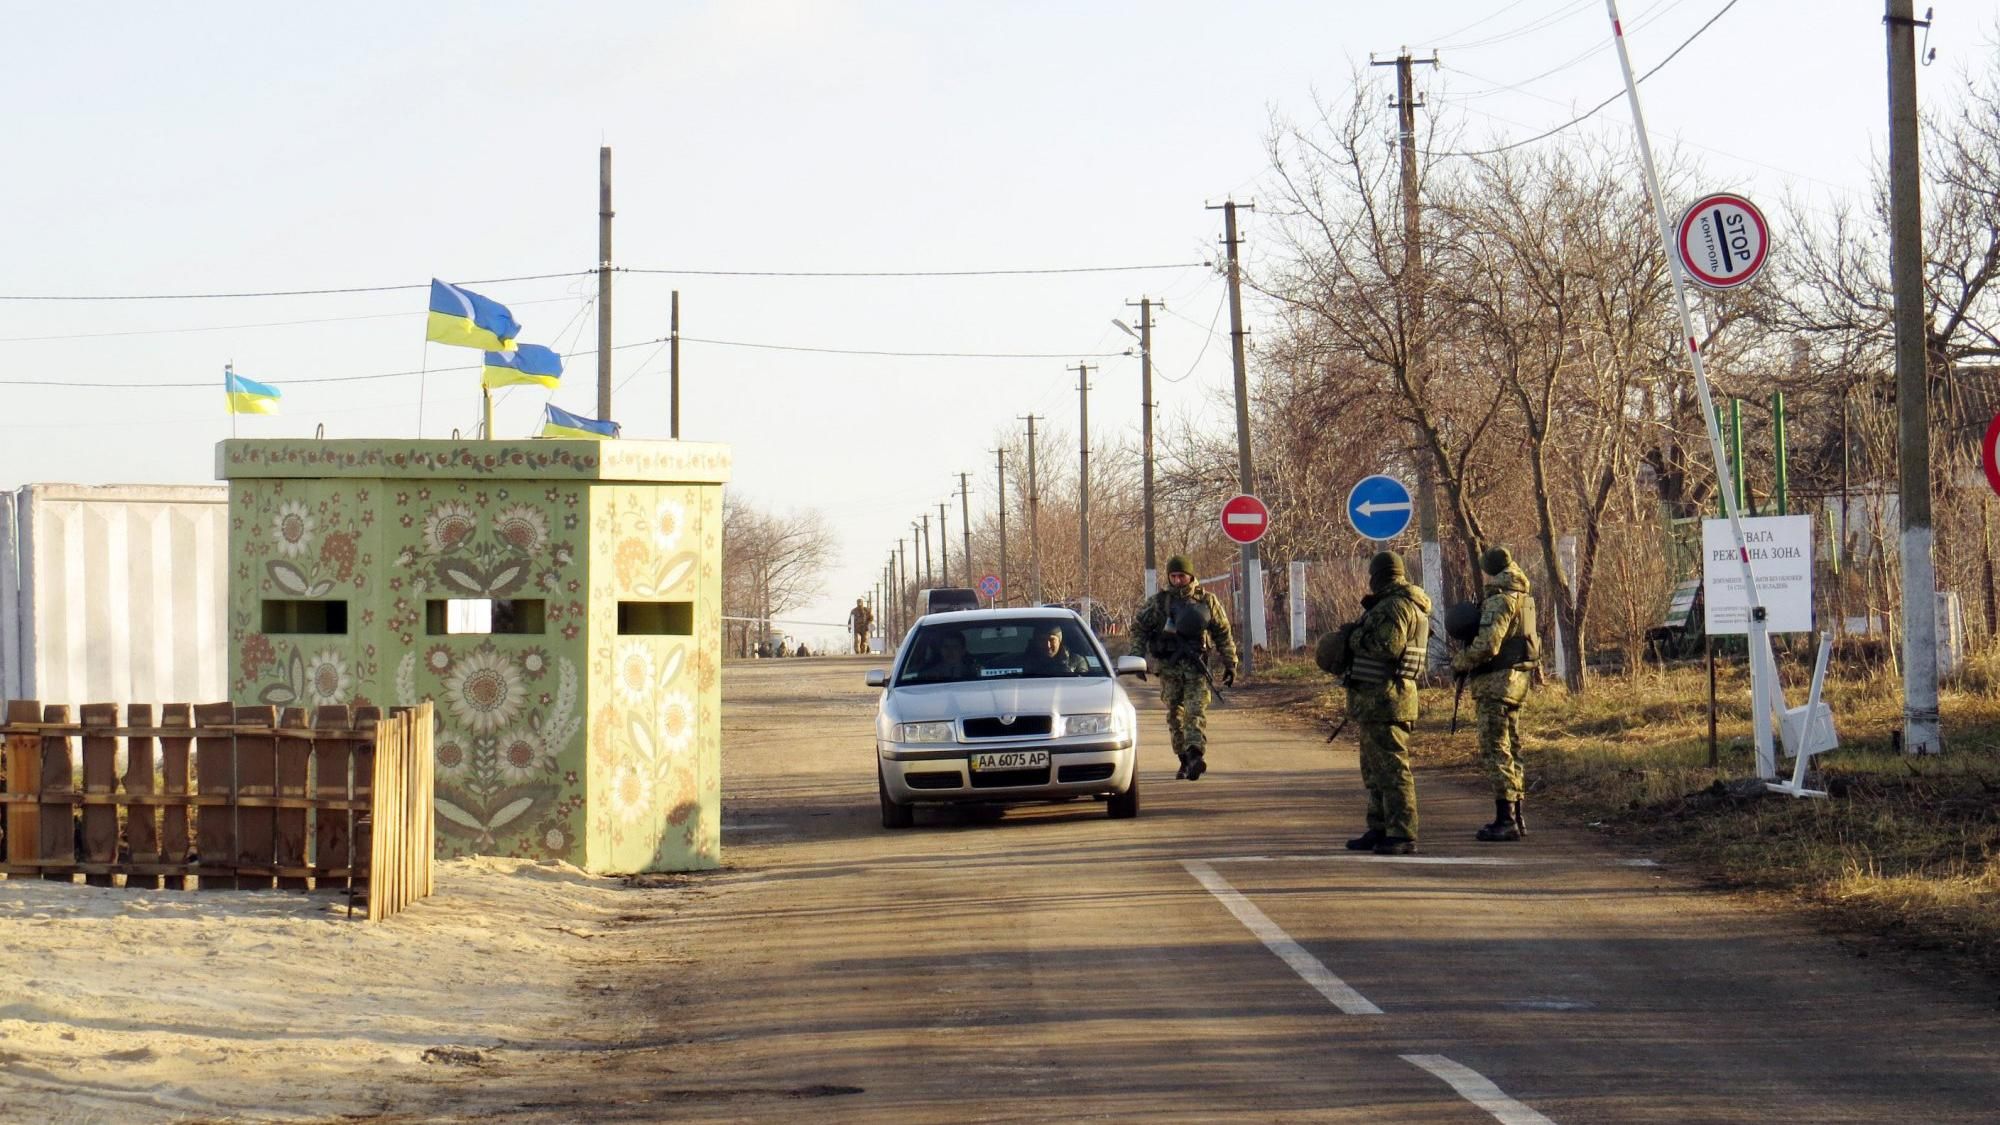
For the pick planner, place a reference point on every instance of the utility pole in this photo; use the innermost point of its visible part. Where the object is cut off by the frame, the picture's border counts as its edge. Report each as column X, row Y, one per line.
column 674, row 369
column 1253, row 586
column 1417, row 347
column 1034, row 515
column 1913, row 434
column 604, row 283
column 1146, row 435
column 903, row 584
column 965, row 521
column 944, row 548
column 930, row 574
column 1083, row 486
column 1000, row 474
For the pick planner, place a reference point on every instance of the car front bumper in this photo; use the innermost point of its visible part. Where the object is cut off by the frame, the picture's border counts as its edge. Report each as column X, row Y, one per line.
column 943, row 772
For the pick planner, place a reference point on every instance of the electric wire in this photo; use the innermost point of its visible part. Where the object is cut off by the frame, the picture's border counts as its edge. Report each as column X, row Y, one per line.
column 895, row 354
column 1539, row 23
column 1593, row 110
column 274, row 292
column 243, row 327
column 910, row 273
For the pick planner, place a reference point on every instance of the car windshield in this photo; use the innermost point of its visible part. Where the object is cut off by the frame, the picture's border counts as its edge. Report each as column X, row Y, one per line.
column 1019, row 648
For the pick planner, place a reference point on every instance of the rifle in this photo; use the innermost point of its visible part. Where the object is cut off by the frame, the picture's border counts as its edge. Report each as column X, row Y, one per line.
column 1201, row 662
column 1457, row 695
column 1340, row 727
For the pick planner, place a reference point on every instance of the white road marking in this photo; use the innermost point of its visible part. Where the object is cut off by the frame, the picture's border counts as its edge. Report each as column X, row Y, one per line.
column 754, row 826
column 1423, row 860
column 1277, row 941
column 1478, row 1089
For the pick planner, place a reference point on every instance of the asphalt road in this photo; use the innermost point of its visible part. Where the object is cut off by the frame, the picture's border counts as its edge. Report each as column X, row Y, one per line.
column 1222, row 958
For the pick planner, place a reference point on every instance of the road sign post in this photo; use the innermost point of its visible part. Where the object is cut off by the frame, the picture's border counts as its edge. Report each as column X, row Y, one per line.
column 1379, row 507
column 990, row 587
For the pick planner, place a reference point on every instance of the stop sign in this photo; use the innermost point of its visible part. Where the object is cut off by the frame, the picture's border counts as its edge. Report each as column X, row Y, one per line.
column 1245, row 519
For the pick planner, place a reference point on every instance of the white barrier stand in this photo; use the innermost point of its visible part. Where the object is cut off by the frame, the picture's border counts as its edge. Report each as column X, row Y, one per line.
column 1808, row 730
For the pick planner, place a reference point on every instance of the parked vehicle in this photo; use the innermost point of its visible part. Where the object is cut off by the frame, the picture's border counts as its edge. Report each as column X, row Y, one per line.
column 977, row 709
column 947, row 599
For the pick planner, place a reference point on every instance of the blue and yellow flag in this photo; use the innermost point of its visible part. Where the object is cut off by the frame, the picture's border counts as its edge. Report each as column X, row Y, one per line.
column 527, row 363
column 248, row 396
column 561, row 423
column 462, row 317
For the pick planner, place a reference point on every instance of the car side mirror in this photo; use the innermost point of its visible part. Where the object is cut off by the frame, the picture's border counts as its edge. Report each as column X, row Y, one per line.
column 877, row 677
column 1131, row 665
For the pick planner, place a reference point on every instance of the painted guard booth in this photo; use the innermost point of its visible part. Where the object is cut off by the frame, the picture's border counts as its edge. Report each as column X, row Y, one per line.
column 559, row 601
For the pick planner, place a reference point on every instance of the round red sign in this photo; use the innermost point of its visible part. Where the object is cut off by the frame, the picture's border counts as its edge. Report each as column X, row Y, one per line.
column 1245, row 519
column 1723, row 241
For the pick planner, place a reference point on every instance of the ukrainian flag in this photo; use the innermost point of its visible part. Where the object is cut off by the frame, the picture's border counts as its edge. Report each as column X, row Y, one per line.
column 527, row 363
column 248, row 396
column 462, row 317
column 561, row 423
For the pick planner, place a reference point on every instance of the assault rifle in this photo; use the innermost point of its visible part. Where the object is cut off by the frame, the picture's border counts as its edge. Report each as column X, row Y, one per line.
column 1457, row 694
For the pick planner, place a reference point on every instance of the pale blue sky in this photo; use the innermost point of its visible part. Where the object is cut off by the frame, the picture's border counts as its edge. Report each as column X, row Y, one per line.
column 225, row 147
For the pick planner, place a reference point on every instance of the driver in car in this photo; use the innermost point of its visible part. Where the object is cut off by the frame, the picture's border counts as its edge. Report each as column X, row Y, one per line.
column 951, row 661
column 1047, row 656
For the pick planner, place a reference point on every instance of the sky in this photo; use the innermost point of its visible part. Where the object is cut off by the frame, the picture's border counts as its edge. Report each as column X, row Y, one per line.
column 156, row 150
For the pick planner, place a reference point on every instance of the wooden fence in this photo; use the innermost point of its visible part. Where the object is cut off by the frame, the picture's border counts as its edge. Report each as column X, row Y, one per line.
column 230, row 797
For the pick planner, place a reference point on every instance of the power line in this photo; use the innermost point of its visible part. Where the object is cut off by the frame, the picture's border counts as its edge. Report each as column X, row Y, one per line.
column 913, row 273
column 237, row 327
column 288, row 381
column 1593, row 110
column 275, row 292
column 1539, row 23
column 1649, row 16
column 882, row 352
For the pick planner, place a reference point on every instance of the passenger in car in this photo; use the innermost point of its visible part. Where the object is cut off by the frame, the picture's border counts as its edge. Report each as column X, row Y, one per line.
column 1047, row 655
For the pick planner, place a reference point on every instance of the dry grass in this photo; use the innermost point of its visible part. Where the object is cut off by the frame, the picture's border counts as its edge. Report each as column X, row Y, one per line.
column 1906, row 850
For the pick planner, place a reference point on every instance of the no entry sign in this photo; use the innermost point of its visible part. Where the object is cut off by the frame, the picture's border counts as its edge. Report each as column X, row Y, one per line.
column 1988, row 456
column 1245, row 519
column 1722, row 241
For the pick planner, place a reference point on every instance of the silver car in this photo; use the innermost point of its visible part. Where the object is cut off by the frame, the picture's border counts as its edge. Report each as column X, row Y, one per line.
column 1004, row 705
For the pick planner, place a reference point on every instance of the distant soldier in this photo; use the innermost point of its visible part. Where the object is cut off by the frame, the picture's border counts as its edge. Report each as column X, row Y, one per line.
column 1379, row 659
column 1499, row 660
column 858, row 620
column 1174, row 631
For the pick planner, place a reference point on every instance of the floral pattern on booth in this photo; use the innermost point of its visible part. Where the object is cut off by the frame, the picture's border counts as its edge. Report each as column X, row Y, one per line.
column 509, row 706
column 655, row 743
column 304, row 541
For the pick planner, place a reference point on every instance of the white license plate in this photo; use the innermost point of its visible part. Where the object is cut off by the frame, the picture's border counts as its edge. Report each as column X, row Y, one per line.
column 1011, row 760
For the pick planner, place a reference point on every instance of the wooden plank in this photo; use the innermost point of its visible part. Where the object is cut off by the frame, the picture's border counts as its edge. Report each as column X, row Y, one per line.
column 174, row 751
column 215, row 776
column 333, row 830
column 426, row 765
column 294, row 766
column 23, row 776
column 256, row 776
column 59, row 827
column 366, row 722
column 100, row 777
column 142, row 819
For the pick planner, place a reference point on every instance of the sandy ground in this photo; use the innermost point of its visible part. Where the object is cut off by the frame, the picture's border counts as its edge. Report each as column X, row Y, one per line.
column 121, row 1005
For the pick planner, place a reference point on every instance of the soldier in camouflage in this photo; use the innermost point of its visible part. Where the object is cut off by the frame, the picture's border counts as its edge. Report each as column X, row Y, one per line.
column 1379, row 659
column 1499, row 661
column 1174, row 631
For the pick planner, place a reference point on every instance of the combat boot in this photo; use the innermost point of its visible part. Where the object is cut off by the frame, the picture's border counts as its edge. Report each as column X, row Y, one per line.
column 1181, row 774
column 1366, row 841
column 1520, row 823
column 1395, row 845
column 1196, row 765
column 1503, row 827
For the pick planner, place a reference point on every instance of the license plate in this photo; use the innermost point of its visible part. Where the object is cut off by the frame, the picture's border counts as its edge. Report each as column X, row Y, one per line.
column 1011, row 760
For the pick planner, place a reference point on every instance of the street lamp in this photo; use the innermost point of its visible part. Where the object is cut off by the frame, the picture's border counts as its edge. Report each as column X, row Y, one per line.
column 1145, row 338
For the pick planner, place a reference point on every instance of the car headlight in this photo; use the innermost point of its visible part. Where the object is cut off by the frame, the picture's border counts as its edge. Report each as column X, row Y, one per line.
column 925, row 732
column 1090, row 724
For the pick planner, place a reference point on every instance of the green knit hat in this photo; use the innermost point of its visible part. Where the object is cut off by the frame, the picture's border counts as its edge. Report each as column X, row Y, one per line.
column 1179, row 565
column 1496, row 560
column 1384, row 568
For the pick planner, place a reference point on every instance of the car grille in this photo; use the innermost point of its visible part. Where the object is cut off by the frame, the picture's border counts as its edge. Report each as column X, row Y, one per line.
column 990, row 726
column 1005, row 779
column 933, row 779
column 1095, row 771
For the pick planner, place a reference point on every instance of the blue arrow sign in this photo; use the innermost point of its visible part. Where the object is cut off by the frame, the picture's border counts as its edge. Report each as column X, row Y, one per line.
column 1379, row 507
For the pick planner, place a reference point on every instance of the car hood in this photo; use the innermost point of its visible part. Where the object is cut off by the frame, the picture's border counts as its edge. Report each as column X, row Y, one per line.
column 929, row 702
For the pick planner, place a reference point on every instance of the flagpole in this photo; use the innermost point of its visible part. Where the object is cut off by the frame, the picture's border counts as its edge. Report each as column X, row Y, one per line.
column 229, row 369
column 486, row 412
column 423, row 376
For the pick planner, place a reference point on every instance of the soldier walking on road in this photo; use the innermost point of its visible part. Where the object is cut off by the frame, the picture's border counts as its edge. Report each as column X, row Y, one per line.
column 858, row 620
column 1174, row 631
column 1379, row 659
column 1499, row 661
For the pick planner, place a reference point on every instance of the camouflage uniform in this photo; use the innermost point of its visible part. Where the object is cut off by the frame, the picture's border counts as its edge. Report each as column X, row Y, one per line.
column 1183, row 686
column 1507, row 613
column 1386, row 652
column 858, row 621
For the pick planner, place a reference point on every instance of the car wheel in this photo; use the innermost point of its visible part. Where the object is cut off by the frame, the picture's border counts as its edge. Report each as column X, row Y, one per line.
column 1125, row 806
column 893, row 814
